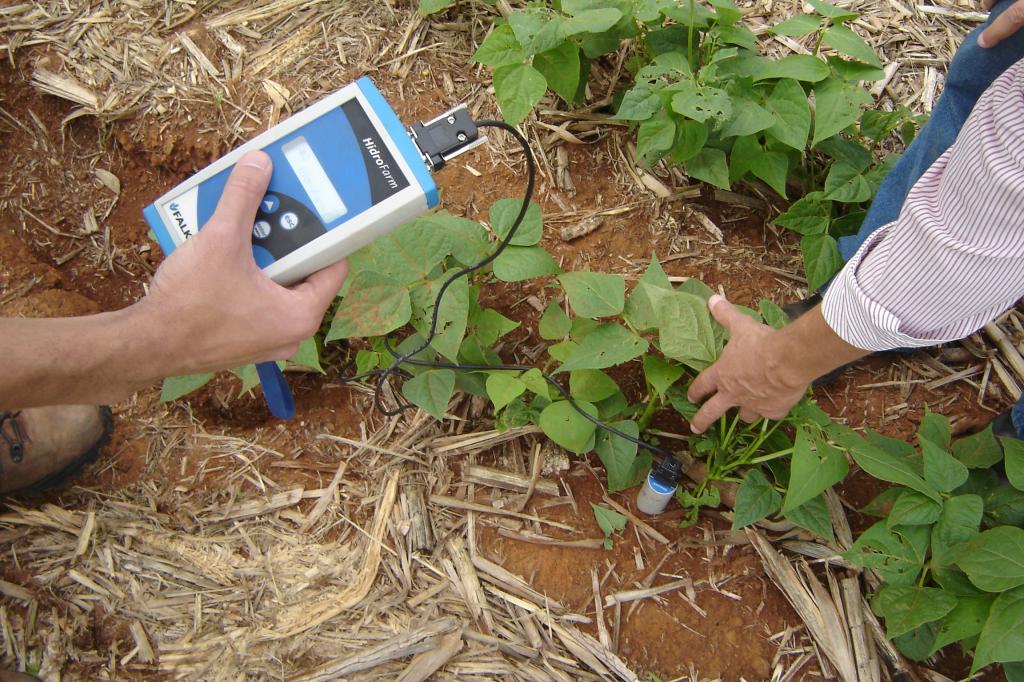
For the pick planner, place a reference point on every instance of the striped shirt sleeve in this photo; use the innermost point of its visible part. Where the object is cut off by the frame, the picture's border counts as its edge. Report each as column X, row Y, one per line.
column 954, row 259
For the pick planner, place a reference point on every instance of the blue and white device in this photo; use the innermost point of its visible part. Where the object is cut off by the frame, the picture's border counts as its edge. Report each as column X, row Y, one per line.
column 346, row 171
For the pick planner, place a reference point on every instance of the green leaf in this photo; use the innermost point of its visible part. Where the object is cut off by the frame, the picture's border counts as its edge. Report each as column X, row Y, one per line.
column 1002, row 638
column 610, row 522
column 888, row 467
column 492, row 325
column 500, row 48
column 655, row 137
column 748, row 116
column 431, row 391
column 563, row 351
column 797, row 26
column 836, row 14
column 808, row 216
column 816, row 466
column 850, row 70
column 791, row 115
column 561, row 68
column 1004, row 504
column 837, row 106
column 251, row 378
column 639, row 310
column 1013, row 454
column 846, row 184
column 755, row 500
column 685, row 331
column 677, row 398
column 307, row 356
column 503, row 213
column 844, row 40
column 428, row 7
column 994, row 560
column 773, row 168
column 554, row 323
column 661, row 374
column 709, row 165
column 821, row 259
column 941, row 470
column 410, row 253
column 534, row 380
column 965, row 620
column 366, row 361
column 691, row 137
column 877, row 124
column 801, row 67
column 978, row 451
column 503, row 388
column 882, row 503
column 176, row 387
column 740, row 36
column 896, row 554
column 619, row 455
column 374, row 305
column 537, row 31
column 591, row 21
column 814, row 516
column 917, row 644
column 452, row 317
column 518, row 88
column 517, row 263
column 608, row 345
column 469, row 243
column 594, row 294
column 772, row 314
column 958, row 522
column 591, row 385
column 699, row 103
column 905, row 607
column 565, row 426
column 638, row 104
column 935, row 428
column 913, row 509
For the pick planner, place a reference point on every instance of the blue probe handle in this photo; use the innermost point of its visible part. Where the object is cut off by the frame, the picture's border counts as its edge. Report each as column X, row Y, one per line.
column 275, row 390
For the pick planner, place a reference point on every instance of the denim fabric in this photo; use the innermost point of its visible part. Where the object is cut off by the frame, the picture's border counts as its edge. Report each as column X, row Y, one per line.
column 972, row 70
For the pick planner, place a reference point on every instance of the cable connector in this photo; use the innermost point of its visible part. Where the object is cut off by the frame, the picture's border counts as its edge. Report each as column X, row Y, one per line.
column 445, row 137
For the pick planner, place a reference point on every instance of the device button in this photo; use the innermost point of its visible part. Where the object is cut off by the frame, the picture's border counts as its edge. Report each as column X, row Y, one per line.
column 270, row 204
column 261, row 229
column 289, row 220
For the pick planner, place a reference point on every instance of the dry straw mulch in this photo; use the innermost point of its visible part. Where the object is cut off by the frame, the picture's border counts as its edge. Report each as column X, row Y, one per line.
column 376, row 578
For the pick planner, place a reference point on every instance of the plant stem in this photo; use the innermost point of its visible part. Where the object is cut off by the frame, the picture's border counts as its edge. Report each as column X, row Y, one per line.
column 770, row 456
column 689, row 38
column 653, row 403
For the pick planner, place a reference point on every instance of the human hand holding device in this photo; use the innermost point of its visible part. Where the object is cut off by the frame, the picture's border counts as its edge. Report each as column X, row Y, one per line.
column 209, row 307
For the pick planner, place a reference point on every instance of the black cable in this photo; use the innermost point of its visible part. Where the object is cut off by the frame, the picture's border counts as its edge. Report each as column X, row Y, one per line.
column 383, row 375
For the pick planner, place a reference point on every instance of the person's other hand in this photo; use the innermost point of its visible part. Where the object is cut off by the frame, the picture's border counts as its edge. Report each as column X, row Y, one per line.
column 746, row 375
column 1003, row 26
column 215, row 307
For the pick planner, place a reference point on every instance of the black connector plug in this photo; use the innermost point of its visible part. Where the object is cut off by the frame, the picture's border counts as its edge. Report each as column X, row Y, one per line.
column 445, row 137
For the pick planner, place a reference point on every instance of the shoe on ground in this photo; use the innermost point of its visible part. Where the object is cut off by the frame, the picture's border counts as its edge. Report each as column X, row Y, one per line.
column 796, row 309
column 42, row 446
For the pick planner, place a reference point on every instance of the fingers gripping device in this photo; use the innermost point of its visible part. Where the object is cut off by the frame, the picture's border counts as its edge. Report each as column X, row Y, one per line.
column 346, row 171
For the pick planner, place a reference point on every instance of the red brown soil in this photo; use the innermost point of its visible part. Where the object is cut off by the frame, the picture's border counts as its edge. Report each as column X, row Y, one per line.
column 41, row 275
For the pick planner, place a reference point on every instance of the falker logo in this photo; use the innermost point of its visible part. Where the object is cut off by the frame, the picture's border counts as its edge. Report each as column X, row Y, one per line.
column 179, row 219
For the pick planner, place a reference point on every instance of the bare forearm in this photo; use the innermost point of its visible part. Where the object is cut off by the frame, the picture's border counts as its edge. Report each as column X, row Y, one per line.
column 92, row 359
column 807, row 349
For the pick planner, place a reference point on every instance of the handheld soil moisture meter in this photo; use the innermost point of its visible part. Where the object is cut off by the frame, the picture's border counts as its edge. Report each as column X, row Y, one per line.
column 346, row 171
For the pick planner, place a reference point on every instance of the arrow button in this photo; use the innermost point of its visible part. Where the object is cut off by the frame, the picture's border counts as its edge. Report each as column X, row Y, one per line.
column 270, row 204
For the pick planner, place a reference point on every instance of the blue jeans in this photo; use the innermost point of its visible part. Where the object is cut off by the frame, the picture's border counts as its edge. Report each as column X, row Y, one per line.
column 972, row 70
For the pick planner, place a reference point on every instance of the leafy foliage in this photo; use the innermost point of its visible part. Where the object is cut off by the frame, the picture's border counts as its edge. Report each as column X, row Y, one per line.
column 947, row 578
column 704, row 96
